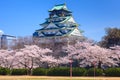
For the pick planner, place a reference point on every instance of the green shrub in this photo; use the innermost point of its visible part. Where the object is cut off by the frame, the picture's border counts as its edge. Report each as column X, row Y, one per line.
column 112, row 72
column 60, row 71
column 39, row 71
column 4, row 71
column 78, row 71
column 19, row 72
column 94, row 72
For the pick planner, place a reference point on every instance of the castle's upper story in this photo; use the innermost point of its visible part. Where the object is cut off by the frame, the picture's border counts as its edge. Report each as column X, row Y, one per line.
column 59, row 23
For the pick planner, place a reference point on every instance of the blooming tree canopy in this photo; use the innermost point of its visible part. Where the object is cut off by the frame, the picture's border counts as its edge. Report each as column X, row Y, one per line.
column 82, row 54
column 89, row 54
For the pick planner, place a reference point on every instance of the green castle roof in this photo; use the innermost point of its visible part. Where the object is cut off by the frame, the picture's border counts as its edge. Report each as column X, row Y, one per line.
column 59, row 7
column 65, row 20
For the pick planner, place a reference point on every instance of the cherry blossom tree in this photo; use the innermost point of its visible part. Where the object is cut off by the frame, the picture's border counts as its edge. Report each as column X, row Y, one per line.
column 7, row 58
column 87, row 53
column 83, row 54
column 30, row 56
column 116, row 53
column 2, row 54
column 50, row 61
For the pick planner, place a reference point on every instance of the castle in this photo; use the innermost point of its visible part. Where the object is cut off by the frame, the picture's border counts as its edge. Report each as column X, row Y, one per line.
column 59, row 28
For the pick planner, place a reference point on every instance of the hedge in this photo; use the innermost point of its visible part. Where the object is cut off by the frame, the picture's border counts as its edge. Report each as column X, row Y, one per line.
column 112, row 72
column 59, row 71
column 4, row 71
column 19, row 72
column 63, row 71
column 78, row 71
column 94, row 72
column 39, row 71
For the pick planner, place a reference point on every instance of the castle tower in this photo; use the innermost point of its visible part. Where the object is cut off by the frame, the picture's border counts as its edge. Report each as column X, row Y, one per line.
column 59, row 28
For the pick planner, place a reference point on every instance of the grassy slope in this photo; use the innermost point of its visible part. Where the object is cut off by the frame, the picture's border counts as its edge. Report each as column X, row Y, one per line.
column 55, row 78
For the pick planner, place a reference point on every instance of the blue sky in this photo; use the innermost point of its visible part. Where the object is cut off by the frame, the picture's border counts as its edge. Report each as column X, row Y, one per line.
column 22, row 17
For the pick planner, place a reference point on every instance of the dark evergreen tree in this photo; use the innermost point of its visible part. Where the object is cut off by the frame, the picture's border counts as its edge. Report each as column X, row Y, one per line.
column 111, row 38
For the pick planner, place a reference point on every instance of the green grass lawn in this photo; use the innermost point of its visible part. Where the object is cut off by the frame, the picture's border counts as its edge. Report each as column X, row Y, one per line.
column 55, row 78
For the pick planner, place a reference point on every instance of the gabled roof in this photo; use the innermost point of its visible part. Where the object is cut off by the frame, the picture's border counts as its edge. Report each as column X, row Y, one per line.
column 55, row 16
column 67, row 18
column 45, row 24
column 51, row 26
column 58, row 33
column 59, row 7
column 75, row 32
column 41, row 34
